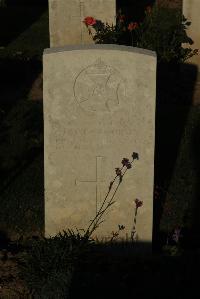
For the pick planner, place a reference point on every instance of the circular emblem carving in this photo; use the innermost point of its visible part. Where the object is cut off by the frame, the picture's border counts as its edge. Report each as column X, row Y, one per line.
column 99, row 87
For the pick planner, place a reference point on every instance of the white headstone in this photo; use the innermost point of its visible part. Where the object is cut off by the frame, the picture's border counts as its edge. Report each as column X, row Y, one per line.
column 66, row 19
column 99, row 107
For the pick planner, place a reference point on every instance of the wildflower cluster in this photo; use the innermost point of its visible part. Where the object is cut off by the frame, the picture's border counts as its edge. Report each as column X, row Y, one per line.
column 109, row 198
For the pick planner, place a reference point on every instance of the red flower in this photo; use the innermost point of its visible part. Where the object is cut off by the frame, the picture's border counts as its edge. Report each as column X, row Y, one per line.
column 132, row 26
column 148, row 9
column 89, row 21
column 138, row 203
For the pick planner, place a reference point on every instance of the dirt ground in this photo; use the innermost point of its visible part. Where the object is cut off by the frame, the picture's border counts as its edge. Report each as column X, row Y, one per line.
column 10, row 284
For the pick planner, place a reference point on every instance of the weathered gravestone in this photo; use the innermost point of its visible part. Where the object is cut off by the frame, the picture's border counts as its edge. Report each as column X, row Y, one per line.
column 99, row 107
column 66, row 19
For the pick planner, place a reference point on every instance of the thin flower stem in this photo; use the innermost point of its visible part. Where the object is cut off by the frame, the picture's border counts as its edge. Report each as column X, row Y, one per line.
column 103, row 201
column 96, row 221
column 99, row 214
column 112, row 185
column 108, row 205
column 134, row 225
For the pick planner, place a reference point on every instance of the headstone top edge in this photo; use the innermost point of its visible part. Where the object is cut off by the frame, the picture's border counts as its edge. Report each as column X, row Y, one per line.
column 100, row 47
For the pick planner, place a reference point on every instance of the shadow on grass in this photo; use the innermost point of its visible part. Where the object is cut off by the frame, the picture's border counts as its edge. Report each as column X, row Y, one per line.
column 21, row 150
column 112, row 273
column 17, row 17
column 16, row 77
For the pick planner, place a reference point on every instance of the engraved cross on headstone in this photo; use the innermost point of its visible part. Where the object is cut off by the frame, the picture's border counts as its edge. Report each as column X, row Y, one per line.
column 97, row 181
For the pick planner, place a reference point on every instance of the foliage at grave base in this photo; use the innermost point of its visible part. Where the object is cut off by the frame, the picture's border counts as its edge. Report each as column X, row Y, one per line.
column 47, row 267
column 163, row 30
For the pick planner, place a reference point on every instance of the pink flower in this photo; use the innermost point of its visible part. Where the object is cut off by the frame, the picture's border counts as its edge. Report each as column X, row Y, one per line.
column 89, row 21
column 138, row 203
column 132, row 26
column 126, row 162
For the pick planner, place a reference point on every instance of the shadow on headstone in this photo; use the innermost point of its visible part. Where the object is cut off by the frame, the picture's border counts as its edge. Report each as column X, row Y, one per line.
column 175, row 92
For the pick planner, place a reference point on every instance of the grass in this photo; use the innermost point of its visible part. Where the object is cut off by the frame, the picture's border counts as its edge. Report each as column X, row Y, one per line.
column 99, row 273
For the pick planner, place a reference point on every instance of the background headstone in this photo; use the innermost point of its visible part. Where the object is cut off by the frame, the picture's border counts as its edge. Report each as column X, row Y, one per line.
column 66, row 16
column 191, row 10
column 99, row 107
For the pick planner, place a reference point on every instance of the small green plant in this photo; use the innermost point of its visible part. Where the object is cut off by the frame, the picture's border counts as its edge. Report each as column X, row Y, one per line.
column 115, row 234
column 163, row 30
column 47, row 266
column 173, row 246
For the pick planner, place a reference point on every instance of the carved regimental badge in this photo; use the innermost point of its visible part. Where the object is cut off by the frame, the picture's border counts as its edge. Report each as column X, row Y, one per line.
column 99, row 87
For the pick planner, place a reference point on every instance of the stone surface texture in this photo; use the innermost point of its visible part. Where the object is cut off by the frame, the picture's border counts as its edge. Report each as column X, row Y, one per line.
column 66, row 16
column 99, row 107
column 191, row 10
